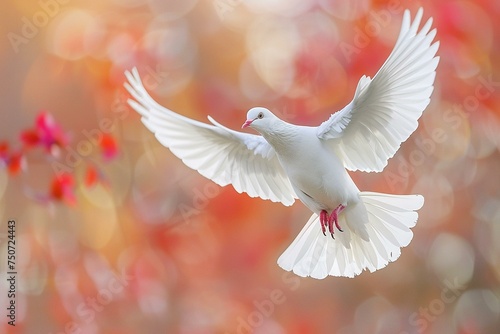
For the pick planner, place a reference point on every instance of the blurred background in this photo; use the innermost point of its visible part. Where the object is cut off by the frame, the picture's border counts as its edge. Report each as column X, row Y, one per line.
column 115, row 235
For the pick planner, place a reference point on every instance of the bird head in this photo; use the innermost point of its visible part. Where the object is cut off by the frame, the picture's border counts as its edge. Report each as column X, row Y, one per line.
column 259, row 119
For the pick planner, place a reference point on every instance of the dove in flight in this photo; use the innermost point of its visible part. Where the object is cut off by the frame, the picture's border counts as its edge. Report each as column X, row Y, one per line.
column 350, row 230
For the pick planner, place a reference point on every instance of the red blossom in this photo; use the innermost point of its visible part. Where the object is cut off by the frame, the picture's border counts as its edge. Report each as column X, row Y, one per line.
column 14, row 161
column 49, row 135
column 63, row 189
column 30, row 138
column 4, row 151
column 91, row 176
column 46, row 133
column 109, row 146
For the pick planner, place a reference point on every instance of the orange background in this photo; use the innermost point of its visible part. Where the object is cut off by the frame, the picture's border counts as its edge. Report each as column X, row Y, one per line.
column 160, row 249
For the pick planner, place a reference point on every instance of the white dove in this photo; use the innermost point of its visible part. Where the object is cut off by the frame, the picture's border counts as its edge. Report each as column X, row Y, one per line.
column 309, row 163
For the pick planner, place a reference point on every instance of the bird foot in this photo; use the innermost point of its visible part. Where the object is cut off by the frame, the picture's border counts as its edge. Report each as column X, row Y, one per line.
column 334, row 218
column 323, row 219
column 331, row 220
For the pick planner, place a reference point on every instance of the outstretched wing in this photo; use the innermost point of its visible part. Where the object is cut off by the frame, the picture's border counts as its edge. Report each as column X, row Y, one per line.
column 225, row 156
column 385, row 110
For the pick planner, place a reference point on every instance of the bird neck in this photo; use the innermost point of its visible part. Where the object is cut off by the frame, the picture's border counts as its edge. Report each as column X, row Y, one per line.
column 281, row 135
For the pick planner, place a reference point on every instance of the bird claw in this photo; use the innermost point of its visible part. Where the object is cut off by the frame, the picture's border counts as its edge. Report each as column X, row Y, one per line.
column 338, row 227
column 323, row 219
column 334, row 218
column 331, row 220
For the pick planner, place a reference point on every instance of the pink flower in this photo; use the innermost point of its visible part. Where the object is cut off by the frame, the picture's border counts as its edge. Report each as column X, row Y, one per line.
column 47, row 133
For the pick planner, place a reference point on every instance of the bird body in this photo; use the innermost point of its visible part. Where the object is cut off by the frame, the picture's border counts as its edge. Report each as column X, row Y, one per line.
column 287, row 161
column 317, row 175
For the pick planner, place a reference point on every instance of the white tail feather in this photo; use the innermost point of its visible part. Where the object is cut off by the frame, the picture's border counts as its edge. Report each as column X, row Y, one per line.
column 375, row 229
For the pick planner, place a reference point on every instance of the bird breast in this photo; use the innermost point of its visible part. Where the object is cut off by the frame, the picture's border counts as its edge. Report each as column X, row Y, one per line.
column 316, row 173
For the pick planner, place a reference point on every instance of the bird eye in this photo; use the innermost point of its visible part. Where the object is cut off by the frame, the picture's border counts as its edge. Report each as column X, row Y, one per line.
column 261, row 115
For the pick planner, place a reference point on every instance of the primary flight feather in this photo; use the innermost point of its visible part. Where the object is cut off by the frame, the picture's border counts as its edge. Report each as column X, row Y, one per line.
column 349, row 231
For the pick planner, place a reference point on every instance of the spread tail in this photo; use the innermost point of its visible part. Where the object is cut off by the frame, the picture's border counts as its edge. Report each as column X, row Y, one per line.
column 375, row 229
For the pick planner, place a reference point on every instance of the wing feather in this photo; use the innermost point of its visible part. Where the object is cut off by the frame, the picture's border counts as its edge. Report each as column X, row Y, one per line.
column 225, row 156
column 385, row 110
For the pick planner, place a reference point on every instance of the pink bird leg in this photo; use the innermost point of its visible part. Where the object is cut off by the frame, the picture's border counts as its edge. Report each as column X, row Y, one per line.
column 323, row 219
column 329, row 221
column 334, row 218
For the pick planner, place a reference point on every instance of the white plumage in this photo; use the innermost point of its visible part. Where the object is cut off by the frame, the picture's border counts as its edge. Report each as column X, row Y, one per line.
column 309, row 163
column 385, row 110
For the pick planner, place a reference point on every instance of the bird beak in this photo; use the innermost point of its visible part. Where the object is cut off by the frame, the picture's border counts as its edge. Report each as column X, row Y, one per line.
column 247, row 123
